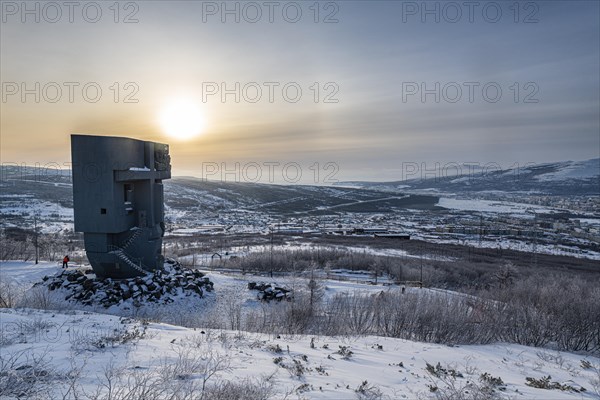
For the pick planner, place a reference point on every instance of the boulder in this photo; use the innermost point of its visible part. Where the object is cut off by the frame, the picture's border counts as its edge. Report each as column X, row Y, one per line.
column 88, row 284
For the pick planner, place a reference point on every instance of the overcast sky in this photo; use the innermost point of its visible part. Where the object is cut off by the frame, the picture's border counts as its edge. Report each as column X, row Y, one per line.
column 361, row 66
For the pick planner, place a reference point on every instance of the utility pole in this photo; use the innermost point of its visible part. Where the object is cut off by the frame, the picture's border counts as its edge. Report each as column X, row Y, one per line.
column 421, row 283
column 480, row 229
column 271, row 253
column 535, row 239
column 318, row 255
column 35, row 238
column 164, row 239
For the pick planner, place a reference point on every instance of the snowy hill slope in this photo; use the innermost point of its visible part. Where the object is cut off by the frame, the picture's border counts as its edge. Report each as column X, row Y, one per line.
column 61, row 350
column 193, row 193
column 50, row 354
column 579, row 170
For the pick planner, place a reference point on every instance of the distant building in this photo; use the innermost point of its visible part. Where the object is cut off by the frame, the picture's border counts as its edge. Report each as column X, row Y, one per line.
column 393, row 235
column 369, row 231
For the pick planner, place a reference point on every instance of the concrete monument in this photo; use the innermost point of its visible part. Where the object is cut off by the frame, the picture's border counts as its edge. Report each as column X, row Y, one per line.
column 118, row 202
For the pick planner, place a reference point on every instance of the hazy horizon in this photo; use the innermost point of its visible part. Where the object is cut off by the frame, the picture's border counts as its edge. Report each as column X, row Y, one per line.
column 273, row 173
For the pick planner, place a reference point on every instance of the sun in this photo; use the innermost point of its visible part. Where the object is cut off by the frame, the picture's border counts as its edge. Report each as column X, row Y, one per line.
column 182, row 119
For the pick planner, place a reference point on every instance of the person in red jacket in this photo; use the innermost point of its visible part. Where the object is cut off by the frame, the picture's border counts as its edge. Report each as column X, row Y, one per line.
column 66, row 262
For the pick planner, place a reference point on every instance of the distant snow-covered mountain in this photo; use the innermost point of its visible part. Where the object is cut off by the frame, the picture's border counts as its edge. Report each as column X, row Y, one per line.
column 559, row 178
column 578, row 170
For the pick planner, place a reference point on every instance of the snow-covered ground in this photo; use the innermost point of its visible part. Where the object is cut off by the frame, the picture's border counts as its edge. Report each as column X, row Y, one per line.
column 77, row 348
column 86, row 345
column 52, row 217
column 23, row 272
column 231, row 289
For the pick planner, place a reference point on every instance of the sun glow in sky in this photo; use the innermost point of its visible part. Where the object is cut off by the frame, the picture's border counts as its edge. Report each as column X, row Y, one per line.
column 366, row 85
column 182, row 118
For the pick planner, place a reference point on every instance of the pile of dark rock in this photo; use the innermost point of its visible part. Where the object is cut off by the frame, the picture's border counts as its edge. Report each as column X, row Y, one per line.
column 270, row 291
column 161, row 286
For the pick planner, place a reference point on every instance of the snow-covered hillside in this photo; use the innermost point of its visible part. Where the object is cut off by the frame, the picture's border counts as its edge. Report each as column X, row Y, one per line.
column 573, row 170
column 79, row 352
column 83, row 354
column 560, row 178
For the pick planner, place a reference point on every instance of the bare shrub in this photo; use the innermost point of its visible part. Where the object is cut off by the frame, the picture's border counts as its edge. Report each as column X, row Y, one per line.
column 41, row 298
column 545, row 382
column 233, row 308
column 424, row 317
column 195, row 367
column 367, row 391
column 595, row 381
column 296, row 316
column 10, row 292
column 25, row 374
column 189, row 376
column 559, row 310
column 449, row 384
column 81, row 342
column 247, row 389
